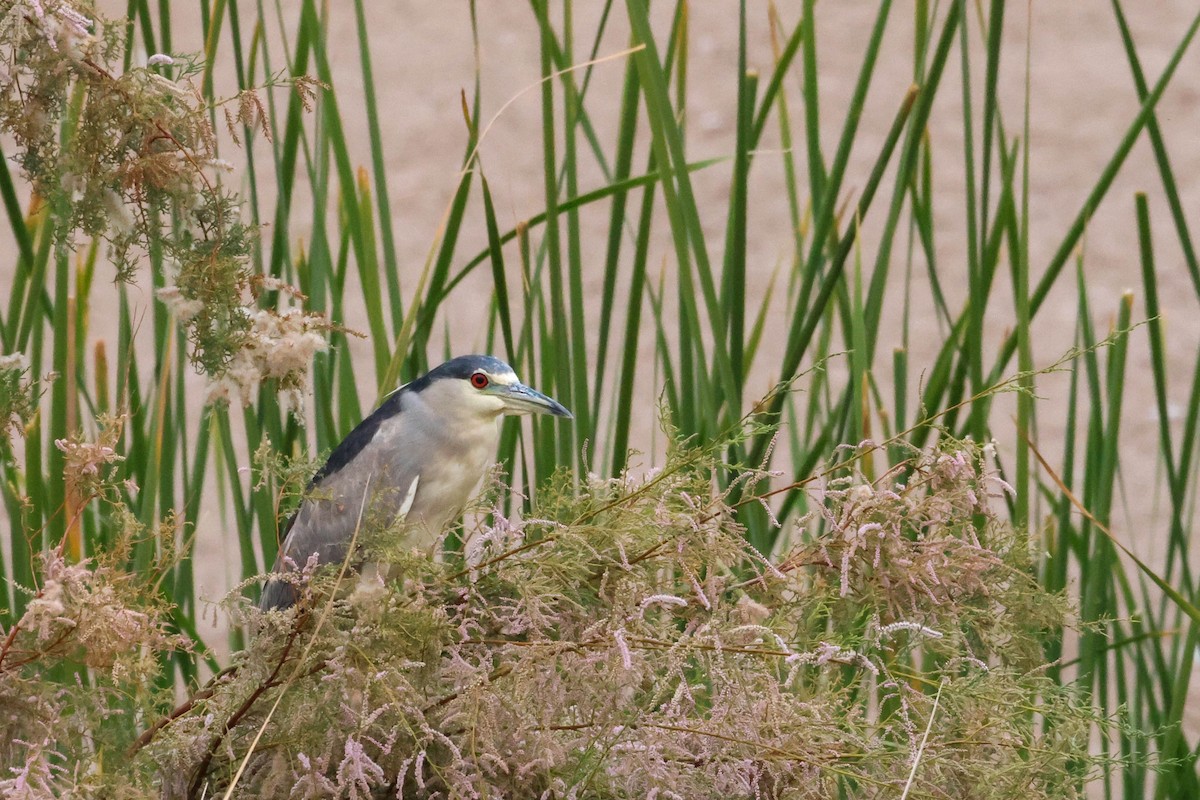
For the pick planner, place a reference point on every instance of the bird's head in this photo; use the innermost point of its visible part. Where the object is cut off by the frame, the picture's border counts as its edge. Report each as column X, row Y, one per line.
column 487, row 386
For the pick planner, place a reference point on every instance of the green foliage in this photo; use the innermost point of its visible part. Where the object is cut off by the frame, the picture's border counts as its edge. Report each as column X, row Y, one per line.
column 902, row 622
column 18, row 402
column 92, row 618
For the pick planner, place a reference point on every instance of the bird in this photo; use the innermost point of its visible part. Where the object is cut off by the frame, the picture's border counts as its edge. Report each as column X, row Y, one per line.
column 416, row 459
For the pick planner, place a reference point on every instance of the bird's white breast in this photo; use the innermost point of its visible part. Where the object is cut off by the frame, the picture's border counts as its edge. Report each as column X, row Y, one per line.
column 447, row 445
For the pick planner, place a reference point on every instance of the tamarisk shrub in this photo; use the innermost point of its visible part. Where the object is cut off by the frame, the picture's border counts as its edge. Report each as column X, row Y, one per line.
column 626, row 642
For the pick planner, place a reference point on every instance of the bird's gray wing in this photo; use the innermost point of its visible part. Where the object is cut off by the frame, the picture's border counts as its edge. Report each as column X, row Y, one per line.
column 363, row 477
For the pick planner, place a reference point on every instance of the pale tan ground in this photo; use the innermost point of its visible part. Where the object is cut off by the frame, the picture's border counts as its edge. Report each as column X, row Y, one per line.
column 1082, row 100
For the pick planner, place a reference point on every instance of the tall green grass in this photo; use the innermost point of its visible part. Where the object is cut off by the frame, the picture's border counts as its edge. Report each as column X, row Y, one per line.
column 1135, row 647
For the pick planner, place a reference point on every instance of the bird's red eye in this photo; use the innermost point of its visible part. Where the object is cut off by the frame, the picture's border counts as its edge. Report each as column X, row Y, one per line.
column 479, row 380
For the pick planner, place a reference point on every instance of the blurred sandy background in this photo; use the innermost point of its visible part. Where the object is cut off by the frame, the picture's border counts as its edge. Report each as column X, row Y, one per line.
column 1081, row 103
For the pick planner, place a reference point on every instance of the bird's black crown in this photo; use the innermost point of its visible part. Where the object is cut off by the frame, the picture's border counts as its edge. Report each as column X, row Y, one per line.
column 461, row 368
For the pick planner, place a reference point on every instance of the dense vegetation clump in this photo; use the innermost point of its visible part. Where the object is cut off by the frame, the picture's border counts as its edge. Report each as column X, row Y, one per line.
column 130, row 156
column 626, row 642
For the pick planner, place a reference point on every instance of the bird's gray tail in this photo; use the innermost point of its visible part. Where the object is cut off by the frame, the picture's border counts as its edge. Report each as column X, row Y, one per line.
column 277, row 595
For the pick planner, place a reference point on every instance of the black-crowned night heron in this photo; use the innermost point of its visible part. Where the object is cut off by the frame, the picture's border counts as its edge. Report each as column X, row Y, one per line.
column 417, row 457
